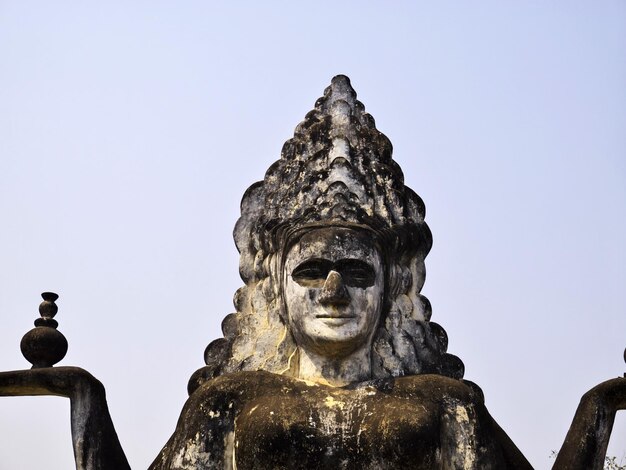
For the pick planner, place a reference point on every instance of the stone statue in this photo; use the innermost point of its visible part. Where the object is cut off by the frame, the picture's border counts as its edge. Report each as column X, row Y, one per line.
column 331, row 360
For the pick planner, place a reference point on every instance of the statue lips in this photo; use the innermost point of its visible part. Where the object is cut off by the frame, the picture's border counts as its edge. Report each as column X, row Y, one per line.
column 336, row 319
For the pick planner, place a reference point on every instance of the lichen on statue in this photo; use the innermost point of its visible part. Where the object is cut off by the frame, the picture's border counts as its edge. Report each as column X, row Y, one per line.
column 331, row 360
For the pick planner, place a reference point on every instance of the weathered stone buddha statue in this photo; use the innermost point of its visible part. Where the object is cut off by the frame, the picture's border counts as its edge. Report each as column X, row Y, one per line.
column 331, row 360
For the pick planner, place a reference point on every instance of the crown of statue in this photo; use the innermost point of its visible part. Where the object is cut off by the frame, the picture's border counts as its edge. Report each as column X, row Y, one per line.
column 337, row 169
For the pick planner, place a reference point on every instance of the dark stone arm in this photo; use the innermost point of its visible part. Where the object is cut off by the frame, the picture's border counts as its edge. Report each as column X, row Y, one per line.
column 588, row 437
column 96, row 446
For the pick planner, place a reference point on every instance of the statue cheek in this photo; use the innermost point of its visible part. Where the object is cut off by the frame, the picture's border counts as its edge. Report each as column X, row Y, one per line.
column 299, row 301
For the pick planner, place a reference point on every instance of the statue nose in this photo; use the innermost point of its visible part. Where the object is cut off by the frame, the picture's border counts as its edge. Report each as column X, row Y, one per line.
column 334, row 291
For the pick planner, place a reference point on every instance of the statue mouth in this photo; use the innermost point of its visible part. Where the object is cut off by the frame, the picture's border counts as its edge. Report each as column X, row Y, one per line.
column 336, row 320
column 331, row 316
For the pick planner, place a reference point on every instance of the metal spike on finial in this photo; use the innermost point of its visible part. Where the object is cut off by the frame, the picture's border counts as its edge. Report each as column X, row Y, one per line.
column 44, row 345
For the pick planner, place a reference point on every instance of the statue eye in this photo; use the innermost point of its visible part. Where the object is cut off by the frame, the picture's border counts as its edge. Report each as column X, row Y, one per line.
column 356, row 273
column 312, row 273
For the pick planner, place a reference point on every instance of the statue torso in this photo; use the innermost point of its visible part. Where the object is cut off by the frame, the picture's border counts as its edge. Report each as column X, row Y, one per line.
column 259, row 420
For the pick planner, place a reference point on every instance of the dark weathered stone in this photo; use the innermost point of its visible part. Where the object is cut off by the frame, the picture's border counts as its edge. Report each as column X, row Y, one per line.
column 260, row 420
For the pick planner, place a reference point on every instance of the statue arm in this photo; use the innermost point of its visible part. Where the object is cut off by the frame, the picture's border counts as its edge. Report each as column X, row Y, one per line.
column 465, row 442
column 471, row 438
column 588, row 437
column 95, row 442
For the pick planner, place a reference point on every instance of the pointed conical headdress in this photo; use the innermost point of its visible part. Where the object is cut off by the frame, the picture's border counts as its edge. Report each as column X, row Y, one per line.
column 337, row 169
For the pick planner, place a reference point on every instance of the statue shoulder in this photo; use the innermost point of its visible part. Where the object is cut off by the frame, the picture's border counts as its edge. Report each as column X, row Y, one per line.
column 438, row 387
column 204, row 435
column 236, row 385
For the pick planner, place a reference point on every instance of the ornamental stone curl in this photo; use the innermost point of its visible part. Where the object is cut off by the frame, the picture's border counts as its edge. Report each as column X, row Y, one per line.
column 331, row 360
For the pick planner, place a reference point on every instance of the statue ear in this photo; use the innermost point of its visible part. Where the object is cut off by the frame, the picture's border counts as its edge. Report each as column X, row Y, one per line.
column 396, row 280
column 268, row 287
column 273, row 281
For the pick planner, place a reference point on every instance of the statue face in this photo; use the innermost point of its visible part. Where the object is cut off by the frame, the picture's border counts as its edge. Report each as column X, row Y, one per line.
column 333, row 290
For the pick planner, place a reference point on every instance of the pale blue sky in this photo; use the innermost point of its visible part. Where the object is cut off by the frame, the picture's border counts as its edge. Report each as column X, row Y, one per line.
column 130, row 130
